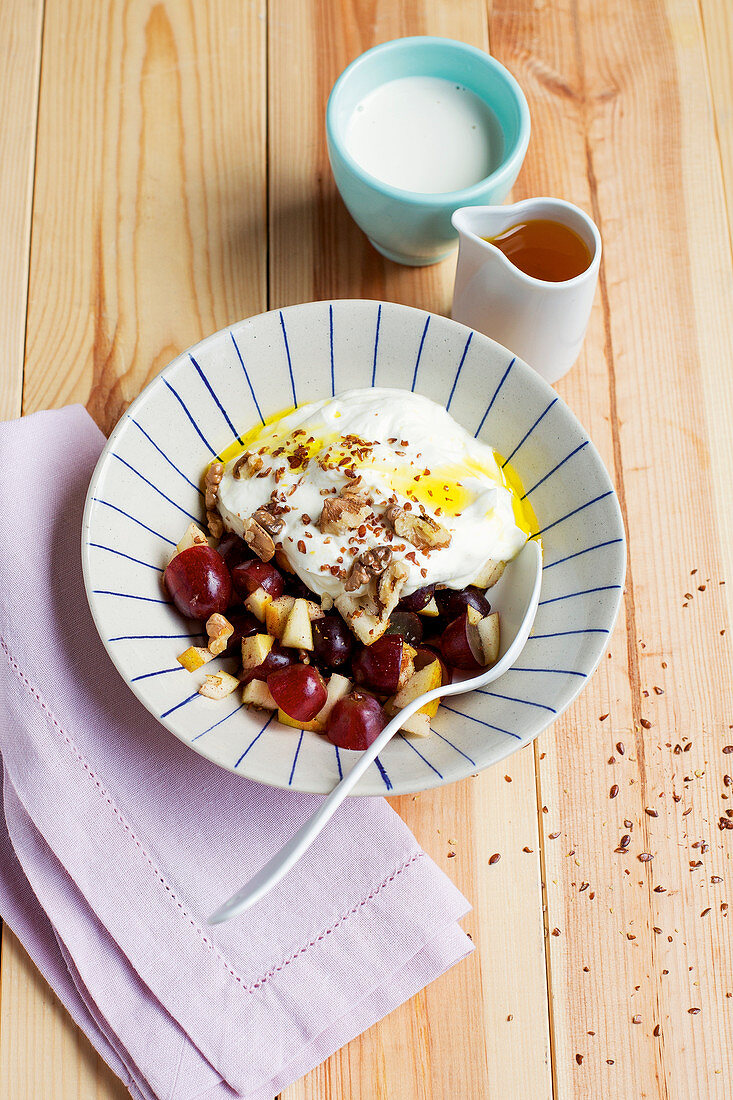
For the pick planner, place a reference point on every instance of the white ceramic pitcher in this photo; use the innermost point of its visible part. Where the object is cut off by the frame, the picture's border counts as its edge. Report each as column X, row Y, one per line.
column 542, row 322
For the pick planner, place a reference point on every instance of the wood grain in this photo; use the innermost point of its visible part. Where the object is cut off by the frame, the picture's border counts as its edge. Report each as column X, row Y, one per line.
column 456, row 1038
column 149, row 219
column 21, row 24
column 619, row 99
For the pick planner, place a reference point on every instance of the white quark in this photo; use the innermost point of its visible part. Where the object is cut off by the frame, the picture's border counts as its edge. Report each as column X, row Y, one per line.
column 425, row 134
column 407, row 450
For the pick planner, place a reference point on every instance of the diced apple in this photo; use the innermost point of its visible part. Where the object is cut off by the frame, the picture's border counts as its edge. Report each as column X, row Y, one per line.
column 474, row 616
column 315, row 611
column 426, row 679
column 417, row 724
column 407, row 665
column 338, row 687
column 255, row 649
column 192, row 536
column 194, row 657
column 298, row 633
column 257, row 602
column 326, row 602
column 490, row 637
column 257, row 694
column 219, row 685
column 276, row 614
column 489, row 574
column 431, row 609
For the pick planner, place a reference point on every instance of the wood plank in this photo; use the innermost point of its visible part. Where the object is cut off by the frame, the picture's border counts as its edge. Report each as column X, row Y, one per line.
column 455, row 1038
column 148, row 226
column 21, row 28
column 148, row 233
column 622, row 122
column 717, row 21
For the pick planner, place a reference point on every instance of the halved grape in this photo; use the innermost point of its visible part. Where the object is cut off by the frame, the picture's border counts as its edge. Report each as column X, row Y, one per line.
column 299, row 690
column 199, row 582
column 249, row 575
column 278, row 658
column 418, row 599
column 244, row 624
column 378, row 665
column 453, row 601
column 406, row 624
column 333, row 642
column 234, row 550
column 355, row 721
column 460, row 644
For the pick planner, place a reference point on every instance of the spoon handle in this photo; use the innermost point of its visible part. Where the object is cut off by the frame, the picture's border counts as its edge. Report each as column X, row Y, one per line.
column 277, row 867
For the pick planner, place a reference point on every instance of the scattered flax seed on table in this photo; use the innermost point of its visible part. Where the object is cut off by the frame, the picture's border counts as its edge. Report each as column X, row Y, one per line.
column 644, row 857
column 495, row 858
column 636, row 1019
column 579, row 1059
column 614, row 791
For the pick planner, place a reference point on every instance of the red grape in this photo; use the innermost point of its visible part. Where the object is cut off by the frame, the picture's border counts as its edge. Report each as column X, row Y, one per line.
column 406, row 624
column 244, row 624
column 278, row 658
column 418, row 599
column 299, row 690
column 249, row 575
column 332, row 641
column 355, row 721
column 199, row 582
column 460, row 644
column 234, row 550
column 452, row 602
column 425, row 655
column 378, row 665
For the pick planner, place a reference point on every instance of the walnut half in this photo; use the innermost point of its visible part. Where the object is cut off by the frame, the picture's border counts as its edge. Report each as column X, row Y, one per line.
column 372, row 563
column 368, row 614
column 268, row 520
column 258, row 538
column 422, row 531
column 343, row 513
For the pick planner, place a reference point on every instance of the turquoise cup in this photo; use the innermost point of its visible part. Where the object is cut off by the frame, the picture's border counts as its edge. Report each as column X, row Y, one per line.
column 410, row 227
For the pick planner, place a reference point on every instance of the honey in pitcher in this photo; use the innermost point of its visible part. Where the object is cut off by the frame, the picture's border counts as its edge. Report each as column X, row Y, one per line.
column 544, row 249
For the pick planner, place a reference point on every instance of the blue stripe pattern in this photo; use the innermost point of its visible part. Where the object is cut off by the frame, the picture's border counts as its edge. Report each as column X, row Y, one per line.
column 376, row 344
column 382, row 772
column 290, row 363
column 555, row 671
column 423, row 758
column 255, row 740
column 330, row 344
column 419, row 353
column 528, row 433
column 166, row 457
column 131, row 596
column 220, row 721
column 490, row 405
column 160, row 672
column 139, row 522
column 182, row 703
column 554, row 470
column 295, row 758
column 155, row 488
column 579, row 553
column 111, row 549
column 567, row 633
column 514, row 699
column 459, row 751
column 338, row 762
column 574, row 512
column 249, row 380
column 480, row 721
column 582, row 592
column 216, row 400
column 196, row 428
column 458, row 372
column 151, row 637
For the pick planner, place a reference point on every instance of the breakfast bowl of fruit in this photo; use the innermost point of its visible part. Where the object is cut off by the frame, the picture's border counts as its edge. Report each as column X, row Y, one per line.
column 303, row 524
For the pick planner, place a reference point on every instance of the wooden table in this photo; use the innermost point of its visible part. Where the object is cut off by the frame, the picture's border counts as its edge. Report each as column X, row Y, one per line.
column 164, row 173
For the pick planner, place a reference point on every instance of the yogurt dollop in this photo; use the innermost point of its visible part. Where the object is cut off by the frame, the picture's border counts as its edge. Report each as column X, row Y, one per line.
column 409, row 453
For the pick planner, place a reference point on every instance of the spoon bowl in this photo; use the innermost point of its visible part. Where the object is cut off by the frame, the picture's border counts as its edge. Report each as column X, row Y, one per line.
column 517, row 593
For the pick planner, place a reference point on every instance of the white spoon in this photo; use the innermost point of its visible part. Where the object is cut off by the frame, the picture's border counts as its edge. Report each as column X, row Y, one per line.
column 518, row 593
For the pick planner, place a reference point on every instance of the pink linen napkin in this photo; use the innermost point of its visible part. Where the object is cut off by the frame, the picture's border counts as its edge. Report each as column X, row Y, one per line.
column 116, row 841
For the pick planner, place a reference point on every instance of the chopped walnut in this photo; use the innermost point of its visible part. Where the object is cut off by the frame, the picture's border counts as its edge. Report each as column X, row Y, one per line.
column 212, row 481
column 372, row 563
column 258, row 539
column 219, row 631
column 343, row 513
column 251, row 462
column 267, row 518
column 422, row 531
column 368, row 614
column 216, row 525
column 353, row 487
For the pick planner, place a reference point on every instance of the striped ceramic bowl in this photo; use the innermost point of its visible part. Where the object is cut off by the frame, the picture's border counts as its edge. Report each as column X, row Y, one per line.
column 145, row 490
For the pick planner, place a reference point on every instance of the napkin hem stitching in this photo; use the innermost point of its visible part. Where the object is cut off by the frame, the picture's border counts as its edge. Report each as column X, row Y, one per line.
column 249, row 988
